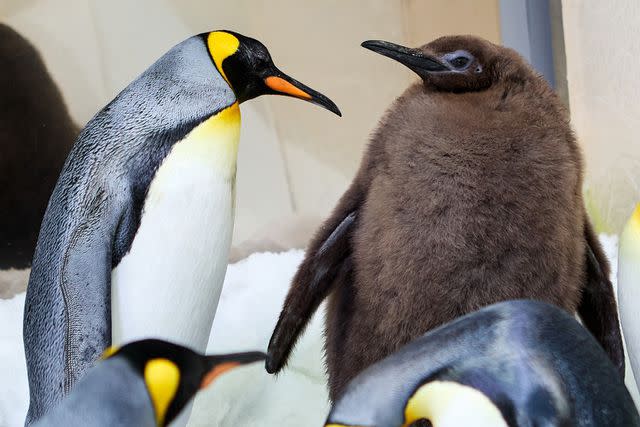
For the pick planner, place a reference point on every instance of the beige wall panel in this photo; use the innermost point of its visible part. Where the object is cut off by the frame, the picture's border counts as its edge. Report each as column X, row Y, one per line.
column 132, row 35
column 261, row 186
column 602, row 50
column 319, row 42
column 64, row 32
column 430, row 19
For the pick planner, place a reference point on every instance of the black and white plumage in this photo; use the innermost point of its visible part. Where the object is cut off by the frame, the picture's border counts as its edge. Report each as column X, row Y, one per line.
column 135, row 240
column 516, row 363
column 144, row 384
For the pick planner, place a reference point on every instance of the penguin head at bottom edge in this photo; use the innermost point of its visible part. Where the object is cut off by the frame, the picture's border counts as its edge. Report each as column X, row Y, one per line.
column 443, row 404
column 173, row 374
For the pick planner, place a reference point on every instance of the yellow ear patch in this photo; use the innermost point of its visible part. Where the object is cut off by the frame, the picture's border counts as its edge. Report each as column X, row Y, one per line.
column 449, row 404
column 221, row 46
column 162, row 377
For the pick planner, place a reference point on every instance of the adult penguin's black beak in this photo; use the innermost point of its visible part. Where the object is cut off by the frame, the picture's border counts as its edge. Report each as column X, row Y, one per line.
column 415, row 59
column 281, row 84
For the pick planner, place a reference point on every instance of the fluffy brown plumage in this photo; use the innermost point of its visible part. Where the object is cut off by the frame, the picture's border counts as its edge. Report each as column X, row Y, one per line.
column 36, row 134
column 469, row 194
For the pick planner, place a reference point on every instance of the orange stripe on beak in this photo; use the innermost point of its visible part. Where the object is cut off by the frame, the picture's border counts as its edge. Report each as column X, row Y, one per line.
column 216, row 372
column 281, row 85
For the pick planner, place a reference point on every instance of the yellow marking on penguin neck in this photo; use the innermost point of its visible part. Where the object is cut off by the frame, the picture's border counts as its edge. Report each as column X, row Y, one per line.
column 449, row 404
column 221, row 46
column 220, row 133
column 213, row 142
column 162, row 377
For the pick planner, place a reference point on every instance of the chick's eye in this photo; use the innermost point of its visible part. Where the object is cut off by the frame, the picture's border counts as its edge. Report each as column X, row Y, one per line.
column 459, row 61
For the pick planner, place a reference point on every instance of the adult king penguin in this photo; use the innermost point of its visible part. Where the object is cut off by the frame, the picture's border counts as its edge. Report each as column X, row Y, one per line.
column 629, row 288
column 516, row 363
column 137, row 232
column 469, row 194
column 144, row 384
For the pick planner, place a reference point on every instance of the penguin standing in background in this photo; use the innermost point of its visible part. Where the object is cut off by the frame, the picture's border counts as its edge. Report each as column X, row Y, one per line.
column 516, row 363
column 135, row 240
column 629, row 288
column 145, row 383
column 469, row 194
column 36, row 134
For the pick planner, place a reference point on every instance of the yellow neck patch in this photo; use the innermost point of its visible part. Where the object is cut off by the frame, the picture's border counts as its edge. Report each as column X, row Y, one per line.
column 449, row 404
column 221, row 46
column 162, row 377
column 216, row 138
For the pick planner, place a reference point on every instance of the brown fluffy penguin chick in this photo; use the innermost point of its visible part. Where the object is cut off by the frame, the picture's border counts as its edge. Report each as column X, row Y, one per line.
column 36, row 134
column 469, row 194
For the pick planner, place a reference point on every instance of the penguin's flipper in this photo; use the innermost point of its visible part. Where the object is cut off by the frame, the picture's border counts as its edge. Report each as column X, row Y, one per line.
column 324, row 261
column 327, row 261
column 86, row 285
column 598, row 309
column 67, row 318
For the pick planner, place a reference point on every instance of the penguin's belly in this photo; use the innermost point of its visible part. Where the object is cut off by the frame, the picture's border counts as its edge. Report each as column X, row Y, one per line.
column 454, row 254
column 169, row 283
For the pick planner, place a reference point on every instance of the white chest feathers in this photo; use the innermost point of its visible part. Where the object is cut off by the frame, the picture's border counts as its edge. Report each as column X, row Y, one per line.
column 169, row 283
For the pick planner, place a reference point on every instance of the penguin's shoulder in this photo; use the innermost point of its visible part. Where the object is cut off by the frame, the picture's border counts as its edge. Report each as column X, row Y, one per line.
column 94, row 190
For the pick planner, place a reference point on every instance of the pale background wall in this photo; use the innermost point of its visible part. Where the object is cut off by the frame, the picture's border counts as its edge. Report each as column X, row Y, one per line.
column 295, row 159
column 602, row 51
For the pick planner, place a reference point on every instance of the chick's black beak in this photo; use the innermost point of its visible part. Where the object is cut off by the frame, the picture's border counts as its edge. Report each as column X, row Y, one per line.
column 281, row 84
column 415, row 59
column 219, row 364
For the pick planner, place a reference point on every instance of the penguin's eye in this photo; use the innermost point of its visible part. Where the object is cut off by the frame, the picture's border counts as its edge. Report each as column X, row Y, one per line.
column 459, row 62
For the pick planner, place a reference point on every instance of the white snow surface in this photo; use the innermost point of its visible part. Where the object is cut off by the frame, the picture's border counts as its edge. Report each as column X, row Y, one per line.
column 14, row 391
column 250, row 303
